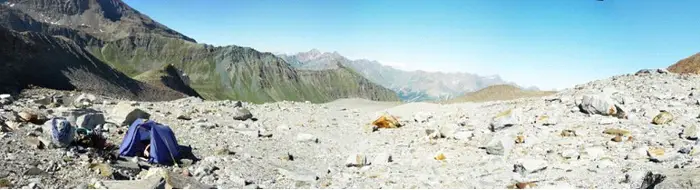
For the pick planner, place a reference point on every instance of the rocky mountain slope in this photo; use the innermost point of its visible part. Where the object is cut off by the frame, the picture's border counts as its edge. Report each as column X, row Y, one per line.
column 233, row 72
column 168, row 77
column 132, row 43
column 499, row 92
column 410, row 86
column 30, row 58
column 105, row 19
column 629, row 131
column 690, row 65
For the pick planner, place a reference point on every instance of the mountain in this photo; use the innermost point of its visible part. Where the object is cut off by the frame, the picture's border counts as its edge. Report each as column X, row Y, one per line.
column 134, row 44
column 499, row 92
column 409, row 85
column 30, row 58
column 104, row 19
column 168, row 77
column 688, row 65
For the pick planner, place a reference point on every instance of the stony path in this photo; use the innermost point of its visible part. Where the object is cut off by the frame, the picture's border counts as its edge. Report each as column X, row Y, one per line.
column 566, row 140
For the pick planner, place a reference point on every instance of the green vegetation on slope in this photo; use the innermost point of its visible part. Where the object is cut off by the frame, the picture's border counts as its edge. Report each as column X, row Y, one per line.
column 238, row 73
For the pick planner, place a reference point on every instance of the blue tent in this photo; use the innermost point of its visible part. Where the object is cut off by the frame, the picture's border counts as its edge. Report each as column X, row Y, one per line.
column 164, row 147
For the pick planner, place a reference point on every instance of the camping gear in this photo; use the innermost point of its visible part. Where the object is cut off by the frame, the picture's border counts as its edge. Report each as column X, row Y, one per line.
column 142, row 133
column 62, row 132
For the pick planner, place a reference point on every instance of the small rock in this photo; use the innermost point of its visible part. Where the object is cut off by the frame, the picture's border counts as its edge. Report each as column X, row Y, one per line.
column 662, row 118
column 238, row 104
column 25, row 116
column 520, row 139
column 505, row 119
column 433, row 134
column 184, row 117
column 440, row 157
column 5, row 99
column 617, row 132
column 463, row 135
column 617, row 138
column 242, row 114
column 382, row 159
column 570, row 153
column 33, row 171
column 207, row 125
column 264, row 133
column 449, row 130
column 356, row 160
column 304, row 137
column 568, row 133
column 528, row 166
column 605, row 163
column 35, row 143
column 84, row 101
column 499, row 145
column 386, row 121
column 595, row 152
column 690, row 132
column 126, row 114
column 422, row 117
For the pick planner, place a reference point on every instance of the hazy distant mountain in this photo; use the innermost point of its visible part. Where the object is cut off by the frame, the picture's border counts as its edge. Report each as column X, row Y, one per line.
column 409, row 85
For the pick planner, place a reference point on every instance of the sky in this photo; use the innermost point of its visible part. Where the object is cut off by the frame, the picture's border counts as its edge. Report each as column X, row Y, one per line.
column 546, row 43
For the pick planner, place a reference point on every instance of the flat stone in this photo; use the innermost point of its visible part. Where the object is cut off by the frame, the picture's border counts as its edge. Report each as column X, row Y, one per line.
column 304, row 137
column 125, row 114
column 570, row 154
column 528, row 166
column 382, row 159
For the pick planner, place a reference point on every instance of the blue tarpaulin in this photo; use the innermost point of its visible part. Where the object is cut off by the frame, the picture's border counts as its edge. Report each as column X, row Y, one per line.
column 164, row 147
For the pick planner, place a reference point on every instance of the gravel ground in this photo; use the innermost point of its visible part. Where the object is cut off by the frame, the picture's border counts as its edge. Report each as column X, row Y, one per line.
column 565, row 140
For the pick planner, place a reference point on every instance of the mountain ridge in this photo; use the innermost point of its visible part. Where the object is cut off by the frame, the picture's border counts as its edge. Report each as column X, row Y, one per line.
column 417, row 85
column 133, row 44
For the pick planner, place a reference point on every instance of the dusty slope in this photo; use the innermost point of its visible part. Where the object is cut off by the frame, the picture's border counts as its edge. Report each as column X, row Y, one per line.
column 566, row 149
column 498, row 92
column 690, row 65
column 53, row 62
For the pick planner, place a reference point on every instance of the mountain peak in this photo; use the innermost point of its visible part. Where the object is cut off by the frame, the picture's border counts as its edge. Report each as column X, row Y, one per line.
column 105, row 19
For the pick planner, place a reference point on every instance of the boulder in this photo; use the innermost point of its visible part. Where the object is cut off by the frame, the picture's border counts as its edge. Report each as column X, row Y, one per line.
column 505, row 119
column 90, row 120
column 602, row 105
column 125, row 114
column 500, row 145
column 5, row 99
column 61, row 130
column 84, row 101
column 242, row 114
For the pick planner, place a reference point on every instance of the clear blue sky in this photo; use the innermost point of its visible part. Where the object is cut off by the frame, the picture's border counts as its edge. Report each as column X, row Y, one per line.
column 547, row 43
